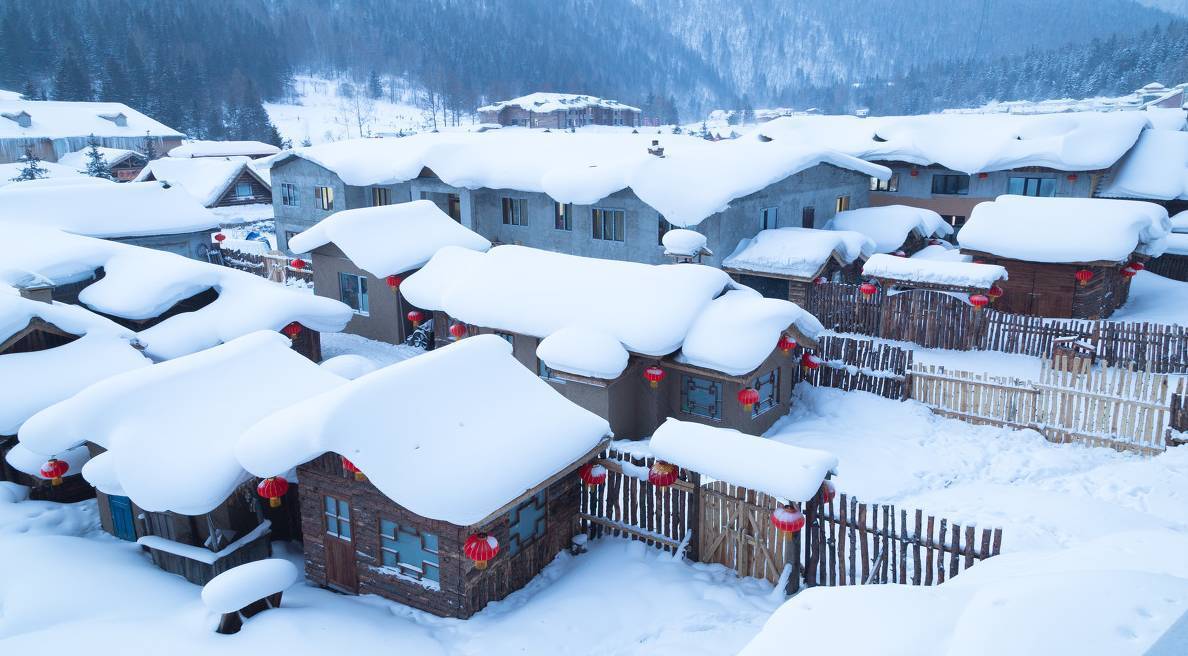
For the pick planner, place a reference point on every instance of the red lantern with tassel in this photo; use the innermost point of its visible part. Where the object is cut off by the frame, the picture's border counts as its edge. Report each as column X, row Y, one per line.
column 868, row 290
column 393, row 282
column 54, row 470
column 787, row 520
column 220, row 237
column 1137, row 266
column 298, row 264
column 808, row 362
column 1083, row 276
column 481, row 548
column 592, row 474
column 415, row 317
column 786, row 344
column 979, row 301
column 654, row 375
column 662, row 474
column 273, row 488
column 748, row 397
column 349, row 467
column 457, row 330
column 995, row 292
column 828, row 491
column 292, row 330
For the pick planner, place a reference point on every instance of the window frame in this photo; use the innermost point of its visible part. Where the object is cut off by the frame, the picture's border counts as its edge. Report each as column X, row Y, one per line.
column 540, row 528
column 841, row 204
column 515, row 211
column 239, row 186
column 404, row 568
column 333, row 519
column 890, row 186
column 618, row 224
column 563, row 216
column 769, row 217
column 324, row 198
column 715, row 411
column 947, row 189
column 381, row 196
column 1027, row 182
column 361, row 292
column 289, row 196
column 770, row 402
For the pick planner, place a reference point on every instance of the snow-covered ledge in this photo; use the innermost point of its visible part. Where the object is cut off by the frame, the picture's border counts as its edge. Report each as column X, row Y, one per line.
column 198, row 553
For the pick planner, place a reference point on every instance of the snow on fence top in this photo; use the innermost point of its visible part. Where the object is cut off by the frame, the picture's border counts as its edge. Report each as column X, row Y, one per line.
column 204, row 178
column 1156, row 168
column 739, row 330
column 693, row 180
column 452, row 435
column 891, row 225
column 170, row 429
column 78, row 159
column 798, row 252
column 972, row 143
column 106, row 210
column 142, row 283
column 933, row 271
column 389, row 239
column 241, row 585
column 1065, row 229
column 757, row 463
column 57, row 119
column 551, row 102
column 224, row 149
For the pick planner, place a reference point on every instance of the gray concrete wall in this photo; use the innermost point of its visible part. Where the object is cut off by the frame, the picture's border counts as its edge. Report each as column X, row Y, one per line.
column 194, row 245
column 385, row 320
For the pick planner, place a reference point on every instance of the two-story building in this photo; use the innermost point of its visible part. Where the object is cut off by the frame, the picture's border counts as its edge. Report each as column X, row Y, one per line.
column 559, row 110
column 53, row 128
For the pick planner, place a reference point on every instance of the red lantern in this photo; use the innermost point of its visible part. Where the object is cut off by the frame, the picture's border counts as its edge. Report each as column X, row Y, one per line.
column 415, row 317
column 394, row 282
column 915, row 173
column 1072, row 177
column 983, row 176
column 654, row 375
column 220, row 237
column 457, row 330
column 1084, row 276
column 748, row 397
column 292, row 330
column 1128, row 271
column 809, row 362
column 1137, row 266
column 298, row 264
column 662, row 474
column 820, row 280
column 868, row 290
column 54, row 470
column 786, row 344
column 481, row 548
column 273, row 488
column 994, row 293
column 828, row 491
column 979, row 301
column 787, row 520
column 592, row 474
column 349, row 467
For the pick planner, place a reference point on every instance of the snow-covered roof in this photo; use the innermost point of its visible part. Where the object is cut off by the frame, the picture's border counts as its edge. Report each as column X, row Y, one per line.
column 29, row 463
column 106, row 210
column 798, row 252
column 1065, row 229
column 891, row 225
column 142, row 283
column 756, row 463
column 405, row 428
column 738, row 331
column 1179, row 222
column 943, row 251
column 170, row 430
column 542, row 101
column 695, row 179
column 55, row 119
column 1156, row 168
column 204, row 178
column 972, row 143
column 1177, row 244
column 78, row 159
column 53, row 171
column 389, row 239
column 933, row 271
column 224, row 149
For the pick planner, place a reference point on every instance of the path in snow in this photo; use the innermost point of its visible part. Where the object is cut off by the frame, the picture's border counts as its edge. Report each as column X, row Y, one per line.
column 381, row 353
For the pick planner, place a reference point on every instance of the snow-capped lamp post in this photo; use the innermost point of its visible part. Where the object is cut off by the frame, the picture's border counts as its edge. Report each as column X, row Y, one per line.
column 244, row 591
column 481, row 548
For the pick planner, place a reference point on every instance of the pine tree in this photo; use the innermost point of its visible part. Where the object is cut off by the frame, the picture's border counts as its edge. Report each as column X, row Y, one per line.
column 149, row 147
column 71, row 81
column 97, row 166
column 33, row 170
column 375, row 88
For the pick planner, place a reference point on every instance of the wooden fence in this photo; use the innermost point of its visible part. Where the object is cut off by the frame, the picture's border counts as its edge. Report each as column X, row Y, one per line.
column 852, row 543
column 268, row 265
column 1124, row 409
column 863, row 365
column 1177, row 431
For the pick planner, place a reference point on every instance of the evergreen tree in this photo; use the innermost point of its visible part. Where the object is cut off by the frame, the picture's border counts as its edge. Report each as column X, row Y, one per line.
column 116, row 85
column 748, row 111
column 71, row 81
column 32, row 169
column 97, row 166
column 375, row 88
column 148, row 147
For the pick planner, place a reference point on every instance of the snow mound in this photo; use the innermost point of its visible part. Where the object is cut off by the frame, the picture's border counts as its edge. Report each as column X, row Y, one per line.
column 241, row 585
column 934, row 271
column 349, row 366
column 891, row 225
column 1156, row 168
column 584, row 351
column 1179, row 222
column 798, row 252
column 740, row 329
column 684, row 243
column 133, row 209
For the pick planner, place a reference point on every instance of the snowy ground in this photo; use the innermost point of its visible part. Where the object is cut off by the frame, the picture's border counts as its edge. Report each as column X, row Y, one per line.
column 381, row 353
column 1156, row 299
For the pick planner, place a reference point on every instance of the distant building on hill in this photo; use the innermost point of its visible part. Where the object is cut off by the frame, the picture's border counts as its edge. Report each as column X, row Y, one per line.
column 51, row 129
column 559, row 110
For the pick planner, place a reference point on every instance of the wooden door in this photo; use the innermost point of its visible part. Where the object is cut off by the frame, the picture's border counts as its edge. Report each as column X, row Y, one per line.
column 341, row 573
column 122, row 524
column 736, row 532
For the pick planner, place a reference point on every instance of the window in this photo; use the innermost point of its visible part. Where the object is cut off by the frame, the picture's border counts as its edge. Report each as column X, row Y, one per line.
column 544, row 371
column 842, row 204
column 381, row 196
column 289, row 194
column 769, row 218
column 412, row 552
column 324, row 198
column 352, row 290
column 701, row 397
column 609, row 225
column 515, row 211
column 243, row 190
column 1032, row 186
column 526, row 523
column 950, row 184
column 563, row 216
column 454, row 207
column 808, row 217
column 769, row 392
column 662, row 228
column 338, row 518
column 890, row 184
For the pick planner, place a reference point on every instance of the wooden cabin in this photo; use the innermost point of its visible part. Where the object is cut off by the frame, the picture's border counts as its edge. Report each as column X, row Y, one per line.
column 785, row 263
column 389, row 507
column 212, row 181
column 123, row 163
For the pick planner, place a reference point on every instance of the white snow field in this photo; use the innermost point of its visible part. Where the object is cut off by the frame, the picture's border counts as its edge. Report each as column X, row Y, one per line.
column 319, row 115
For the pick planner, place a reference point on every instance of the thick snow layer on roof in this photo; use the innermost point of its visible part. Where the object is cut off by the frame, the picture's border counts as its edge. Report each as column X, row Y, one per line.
column 1065, row 229
column 891, row 225
column 584, row 351
column 695, row 179
column 798, row 252
column 1179, row 222
column 647, row 308
column 108, row 210
column 740, row 329
column 944, row 252
column 972, row 143
column 1156, row 168
column 684, row 243
column 223, row 149
column 1167, row 118
column 349, row 365
column 542, row 101
column 757, row 463
column 406, row 429
column 204, row 178
column 170, row 429
column 56, row 119
column 78, row 159
column 241, row 585
column 1177, row 244
column 141, row 283
column 28, row 462
column 53, row 171
column 390, row 239
column 933, row 271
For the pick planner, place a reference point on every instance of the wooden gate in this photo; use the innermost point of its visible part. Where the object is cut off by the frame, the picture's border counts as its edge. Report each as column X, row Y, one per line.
column 932, row 319
column 736, row 531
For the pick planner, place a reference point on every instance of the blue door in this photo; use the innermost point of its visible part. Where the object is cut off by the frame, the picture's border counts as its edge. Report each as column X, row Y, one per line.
column 121, row 517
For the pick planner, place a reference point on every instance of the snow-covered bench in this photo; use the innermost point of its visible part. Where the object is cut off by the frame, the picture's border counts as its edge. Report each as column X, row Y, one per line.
column 251, row 588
